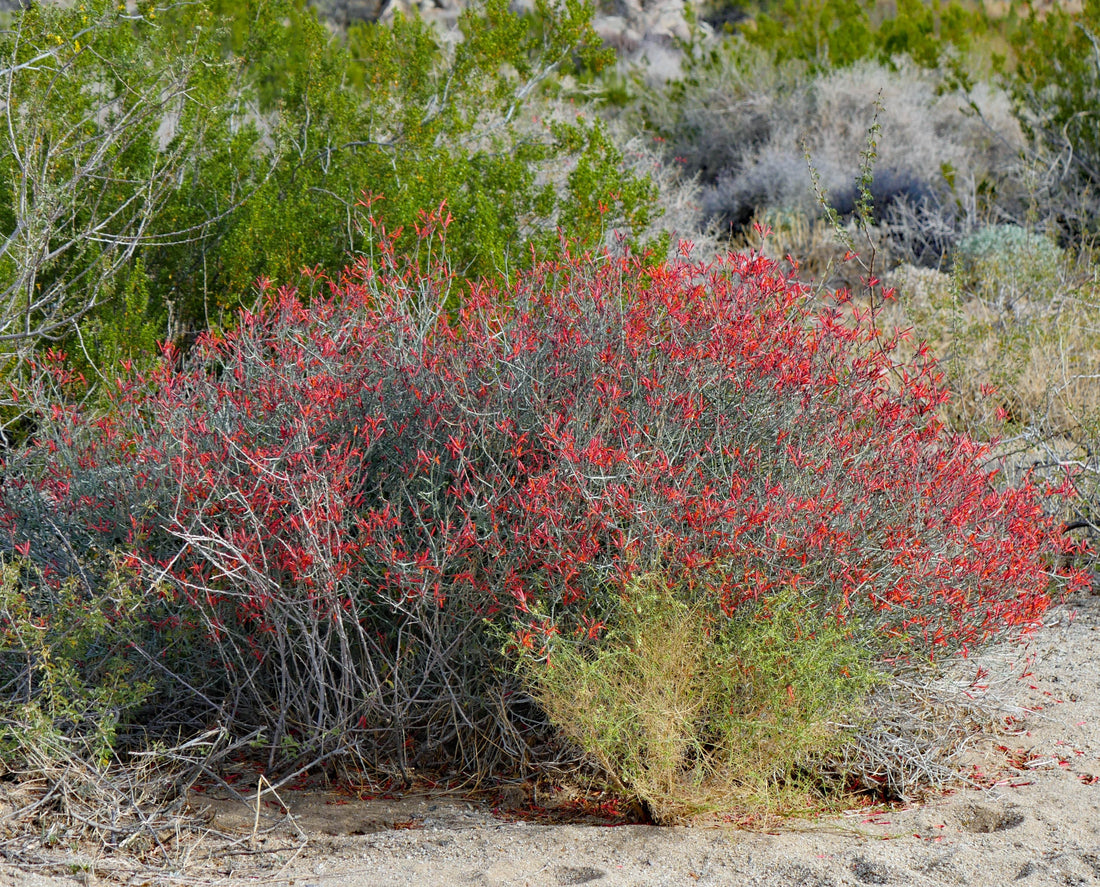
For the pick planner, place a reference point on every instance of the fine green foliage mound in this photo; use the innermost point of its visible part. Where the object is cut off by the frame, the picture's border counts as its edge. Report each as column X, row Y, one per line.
column 1010, row 267
column 68, row 673
column 691, row 712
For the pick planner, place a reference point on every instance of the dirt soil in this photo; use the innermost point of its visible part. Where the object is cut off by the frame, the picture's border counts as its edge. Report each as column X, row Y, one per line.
column 1037, row 824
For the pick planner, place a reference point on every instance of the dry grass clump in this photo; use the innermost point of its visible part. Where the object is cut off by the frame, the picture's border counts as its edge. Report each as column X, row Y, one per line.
column 1018, row 338
column 1014, row 348
column 60, row 799
column 918, row 728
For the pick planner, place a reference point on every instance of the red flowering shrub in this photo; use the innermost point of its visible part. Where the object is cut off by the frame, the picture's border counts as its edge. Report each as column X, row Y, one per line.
column 351, row 505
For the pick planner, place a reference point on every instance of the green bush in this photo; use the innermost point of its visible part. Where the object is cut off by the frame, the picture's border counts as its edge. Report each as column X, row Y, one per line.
column 838, row 33
column 1056, row 82
column 691, row 711
column 104, row 113
column 161, row 162
column 83, row 666
column 69, row 673
column 398, row 111
column 1008, row 265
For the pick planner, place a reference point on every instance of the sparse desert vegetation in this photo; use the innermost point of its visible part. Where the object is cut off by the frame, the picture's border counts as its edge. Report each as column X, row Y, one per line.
column 482, row 403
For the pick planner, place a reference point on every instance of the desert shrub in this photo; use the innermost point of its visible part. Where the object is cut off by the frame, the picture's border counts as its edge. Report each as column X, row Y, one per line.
column 1018, row 343
column 349, row 502
column 940, row 169
column 826, row 34
column 68, row 674
column 932, row 157
column 73, row 689
column 103, row 115
column 839, row 33
column 1056, row 85
column 723, row 109
column 82, row 664
column 162, row 159
column 403, row 110
column 690, row 711
column 1010, row 267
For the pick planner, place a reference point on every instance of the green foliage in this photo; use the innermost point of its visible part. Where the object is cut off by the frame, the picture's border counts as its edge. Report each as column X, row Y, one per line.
column 826, row 33
column 68, row 673
column 131, row 333
column 423, row 122
column 238, row 139
column 1056, row 83
column 104, row 112
column 599, row 194
column 689, row 710
column 397, row 111
column 838, row 33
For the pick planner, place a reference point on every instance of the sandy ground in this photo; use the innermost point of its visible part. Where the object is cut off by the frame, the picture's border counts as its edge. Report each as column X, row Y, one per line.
column 1038, row 825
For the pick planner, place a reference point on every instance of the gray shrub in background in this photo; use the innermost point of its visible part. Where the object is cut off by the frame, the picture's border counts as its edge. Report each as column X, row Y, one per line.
column 744, row 126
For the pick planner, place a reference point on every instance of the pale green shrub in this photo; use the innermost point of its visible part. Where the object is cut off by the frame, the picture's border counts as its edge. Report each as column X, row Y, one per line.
column 1010, row 267
column 689, row 710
